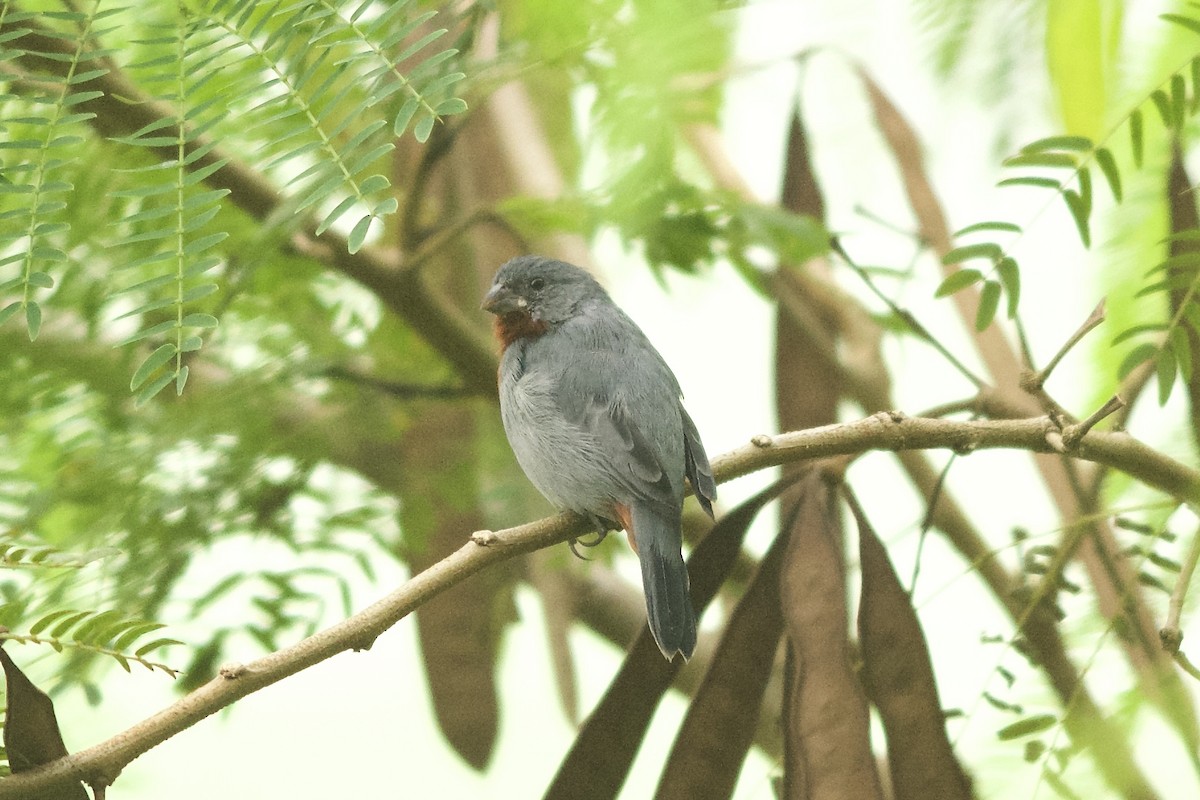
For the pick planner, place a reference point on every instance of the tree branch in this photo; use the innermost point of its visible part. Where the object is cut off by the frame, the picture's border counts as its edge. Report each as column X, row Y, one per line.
column 1171, row 635
column 99, row 765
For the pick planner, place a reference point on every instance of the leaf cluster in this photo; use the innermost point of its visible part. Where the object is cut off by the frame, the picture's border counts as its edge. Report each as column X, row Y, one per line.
column 312, row 92
column 1066, row 165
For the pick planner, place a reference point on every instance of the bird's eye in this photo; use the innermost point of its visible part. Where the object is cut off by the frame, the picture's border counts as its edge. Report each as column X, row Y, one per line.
column 537, row 284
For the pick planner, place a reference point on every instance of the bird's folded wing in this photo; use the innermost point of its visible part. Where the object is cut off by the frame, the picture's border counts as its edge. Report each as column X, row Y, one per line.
column 696, row 465
column 632, row 458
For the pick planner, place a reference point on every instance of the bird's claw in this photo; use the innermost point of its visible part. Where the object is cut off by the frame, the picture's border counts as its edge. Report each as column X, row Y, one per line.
column 600, row 536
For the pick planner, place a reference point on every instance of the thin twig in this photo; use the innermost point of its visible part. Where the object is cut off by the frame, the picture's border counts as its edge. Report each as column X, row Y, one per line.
column 1186, row 665
column 1074, row 433
column 411, row 235
column 1023, row 342
column 912, row 322
column 927, row 521
column 1093, row 320
column 1034, row 383
column 1170, row 634
column 435, row 242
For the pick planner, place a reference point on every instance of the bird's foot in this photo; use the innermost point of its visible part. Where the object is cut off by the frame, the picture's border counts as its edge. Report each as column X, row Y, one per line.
column 601, row 533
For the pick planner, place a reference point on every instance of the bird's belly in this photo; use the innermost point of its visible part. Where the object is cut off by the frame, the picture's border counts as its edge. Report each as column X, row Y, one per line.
column 559, row 458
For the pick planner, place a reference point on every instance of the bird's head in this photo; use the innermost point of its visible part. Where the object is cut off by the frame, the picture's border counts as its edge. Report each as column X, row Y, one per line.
column 530, row 293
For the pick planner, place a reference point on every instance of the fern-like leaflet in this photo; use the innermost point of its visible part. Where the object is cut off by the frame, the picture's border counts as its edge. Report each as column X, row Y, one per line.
column 107, row 633
column 31, row 227
column 173, row 211
column 324, row 72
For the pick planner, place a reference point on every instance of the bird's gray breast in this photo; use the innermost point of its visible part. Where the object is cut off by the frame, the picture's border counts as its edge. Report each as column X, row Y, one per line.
column 559, row 458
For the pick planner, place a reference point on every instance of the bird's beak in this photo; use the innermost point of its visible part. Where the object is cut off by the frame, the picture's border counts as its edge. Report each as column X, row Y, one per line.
column 501, row 300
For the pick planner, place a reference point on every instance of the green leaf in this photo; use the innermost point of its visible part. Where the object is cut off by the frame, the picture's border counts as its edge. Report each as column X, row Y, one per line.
column 1187, row 22
column 40, row 280
column 1002, row 705
column 374, row 183
column 386, row 206
column 1195, row 106
column 199, row 321
column 455, row 105
column 1030, row 180
column 1053, row 160
column 332, row 216
column 1084, row 180
column 181, row 380
column 1136, row 357
column 958, row 280
column 419, row 45
column 153, row 330
column 1137, row 140
column 201, row 266
column 1079, row 143
column 988, row 250
column 155, row 386
column 443, row 83
column 198, row 292
column 48, row 620
column 88, row 630
column 1026, row 727
column 66, row 623
column 1007, row 227
column 153, row 305
column 1010, row 278
column 1108, row 165
column 203, row 243
column 794, row 238
column 1191, row 316
column 1079, row 212
column 33, row 319
column 1178, row 99
column 1164, row 372
column 135, row 631
column 358, row 235
column 1186, row 261
column 161, row 356
column 154, row 645
column 405, row 115
column 9, row 310
column 989, row 300
column 1138, row 330
column 1181, row 348
column 1163, row 105
column 1161, row 286
column 424, row 128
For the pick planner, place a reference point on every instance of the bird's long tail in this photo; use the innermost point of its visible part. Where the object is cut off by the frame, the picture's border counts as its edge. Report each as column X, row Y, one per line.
column 665, row 581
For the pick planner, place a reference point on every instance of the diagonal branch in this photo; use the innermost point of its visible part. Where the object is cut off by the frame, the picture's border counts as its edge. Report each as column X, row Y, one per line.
column 99, row 765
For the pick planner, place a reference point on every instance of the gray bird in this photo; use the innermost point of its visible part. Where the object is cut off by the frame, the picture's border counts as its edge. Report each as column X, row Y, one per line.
column 595, row 418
